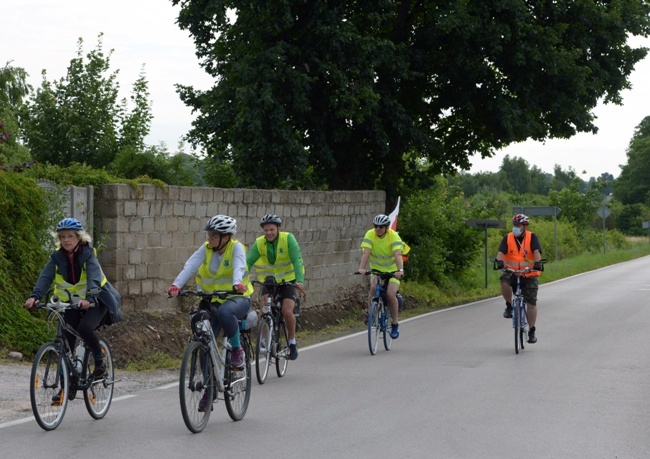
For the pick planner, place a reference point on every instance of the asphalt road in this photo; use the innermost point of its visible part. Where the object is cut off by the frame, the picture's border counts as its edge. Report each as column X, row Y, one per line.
column 451, row 387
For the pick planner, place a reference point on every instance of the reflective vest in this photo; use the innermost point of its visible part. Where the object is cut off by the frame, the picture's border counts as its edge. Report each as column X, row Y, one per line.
column 518, row 255
column 283, row 268
column 222, row 279
column 63, row 288
column 382, row 257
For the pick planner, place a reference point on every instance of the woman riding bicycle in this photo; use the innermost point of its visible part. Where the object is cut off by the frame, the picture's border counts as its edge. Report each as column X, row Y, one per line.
column 220, row 265
column 75, row 272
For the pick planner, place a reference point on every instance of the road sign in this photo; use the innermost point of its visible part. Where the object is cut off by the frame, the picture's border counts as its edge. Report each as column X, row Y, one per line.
column 537, row 211
column 645, row 225
column 473, row 223
column 603, row 212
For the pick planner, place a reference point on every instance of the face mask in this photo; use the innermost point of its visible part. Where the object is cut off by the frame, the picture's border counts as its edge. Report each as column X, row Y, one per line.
column 516, row 231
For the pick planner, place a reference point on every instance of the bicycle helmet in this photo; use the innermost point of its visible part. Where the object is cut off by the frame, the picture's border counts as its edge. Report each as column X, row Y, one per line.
column 270, row 218
column 69, row 224
column 222, row 224
column 520, row 219
column 381, row 220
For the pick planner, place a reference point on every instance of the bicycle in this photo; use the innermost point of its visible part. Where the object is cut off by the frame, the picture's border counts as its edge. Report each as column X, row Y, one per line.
column 56, row 371
column 379, row 313
column 272, row 335
column 206, row 367
column 519, row 313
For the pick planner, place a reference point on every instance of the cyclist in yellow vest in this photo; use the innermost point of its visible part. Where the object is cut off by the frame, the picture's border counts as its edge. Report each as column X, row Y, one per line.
column 383, row 247
column 74, row 271
column 278, row 254
column 219, row 264
column 521, row 249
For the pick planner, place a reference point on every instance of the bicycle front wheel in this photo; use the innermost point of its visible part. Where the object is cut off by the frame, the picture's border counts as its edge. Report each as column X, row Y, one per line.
column 48, row 386
column 373, row 326
column 238, row 387
column 99, row 395
column 196, row 388
column 516, row 317
column 263, row 348
column 282, row 354
column 386, row 327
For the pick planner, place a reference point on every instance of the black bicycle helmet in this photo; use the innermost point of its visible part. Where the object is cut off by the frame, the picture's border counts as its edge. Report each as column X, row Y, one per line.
column 69, row 224
column 381, row 220
column 270, row 218
column 222, row 224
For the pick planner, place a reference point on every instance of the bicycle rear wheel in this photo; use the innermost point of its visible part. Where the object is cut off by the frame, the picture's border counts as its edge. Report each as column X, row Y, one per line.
column 263, row 348
column 373, row 325
column 49, row 378
column 386, row 327
column 282, row 354
column 99, row 395
column 238, row 386
column 196, row 383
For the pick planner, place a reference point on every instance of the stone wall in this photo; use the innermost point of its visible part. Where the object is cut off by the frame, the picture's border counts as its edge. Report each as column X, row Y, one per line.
column 146, row 235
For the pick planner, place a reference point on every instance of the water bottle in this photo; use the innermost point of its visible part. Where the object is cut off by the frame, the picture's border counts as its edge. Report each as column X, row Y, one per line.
column 266, row 309
column 251, row 319
column 79, row 359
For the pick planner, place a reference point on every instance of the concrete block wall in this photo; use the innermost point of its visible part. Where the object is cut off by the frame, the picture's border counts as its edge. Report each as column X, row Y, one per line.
column 146, row 235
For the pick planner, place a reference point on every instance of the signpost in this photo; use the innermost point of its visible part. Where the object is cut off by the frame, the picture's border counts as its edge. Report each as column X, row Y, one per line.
column 485, row 224
column 541, row 211
column 646, row 225
column 603, row 213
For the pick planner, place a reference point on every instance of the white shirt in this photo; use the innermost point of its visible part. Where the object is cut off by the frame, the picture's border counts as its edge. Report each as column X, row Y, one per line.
column 195, row 261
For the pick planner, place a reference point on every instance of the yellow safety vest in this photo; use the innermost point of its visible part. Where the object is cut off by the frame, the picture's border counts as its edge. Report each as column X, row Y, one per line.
column 283, row 268
column 222, row 279
column 382, row 257
column 63, row 288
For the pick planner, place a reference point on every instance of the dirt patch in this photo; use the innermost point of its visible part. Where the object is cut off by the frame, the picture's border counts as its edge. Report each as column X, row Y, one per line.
column 148, row 336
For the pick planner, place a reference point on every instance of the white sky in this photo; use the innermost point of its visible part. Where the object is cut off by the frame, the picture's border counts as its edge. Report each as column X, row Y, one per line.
column 39, row 35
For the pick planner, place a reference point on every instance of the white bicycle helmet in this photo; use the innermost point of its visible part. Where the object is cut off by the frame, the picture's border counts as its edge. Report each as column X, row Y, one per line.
column 270, row 218
column 222, row 224
column 381, row 220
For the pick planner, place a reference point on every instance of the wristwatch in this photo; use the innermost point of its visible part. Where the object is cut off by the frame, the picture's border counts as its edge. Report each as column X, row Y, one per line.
column 401, row 270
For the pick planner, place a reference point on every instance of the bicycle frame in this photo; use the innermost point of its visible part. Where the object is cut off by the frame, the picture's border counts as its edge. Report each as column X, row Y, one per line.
column 379, row 311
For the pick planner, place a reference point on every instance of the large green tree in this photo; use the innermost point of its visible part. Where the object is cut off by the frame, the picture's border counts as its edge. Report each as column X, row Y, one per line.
column 13, row 91
column 79, row 117
column 632, row 186
column 342, row 93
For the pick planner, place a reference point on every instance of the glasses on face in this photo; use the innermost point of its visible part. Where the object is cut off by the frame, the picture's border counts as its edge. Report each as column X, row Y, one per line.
column 213, row 235
column 381, row 226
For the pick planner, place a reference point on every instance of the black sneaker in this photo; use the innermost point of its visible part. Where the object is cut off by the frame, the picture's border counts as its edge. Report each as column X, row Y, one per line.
column 57, row 399
column 507, row 313
column 532, row 339
column 293, row 352
column 100, row 370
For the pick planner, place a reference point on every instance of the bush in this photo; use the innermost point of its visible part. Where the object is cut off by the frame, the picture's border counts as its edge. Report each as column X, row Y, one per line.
column 23, row 224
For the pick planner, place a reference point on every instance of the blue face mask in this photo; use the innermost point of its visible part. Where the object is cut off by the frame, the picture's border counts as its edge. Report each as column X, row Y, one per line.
column 516, row 231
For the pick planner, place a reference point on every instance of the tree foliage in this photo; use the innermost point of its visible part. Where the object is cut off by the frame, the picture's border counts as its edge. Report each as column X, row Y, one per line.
column 338, row 93
column 632, row 186
column 79, row 118
column 13, row 90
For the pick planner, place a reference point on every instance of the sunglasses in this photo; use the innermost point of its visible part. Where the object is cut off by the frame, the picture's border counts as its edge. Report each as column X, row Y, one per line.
column 381, row 226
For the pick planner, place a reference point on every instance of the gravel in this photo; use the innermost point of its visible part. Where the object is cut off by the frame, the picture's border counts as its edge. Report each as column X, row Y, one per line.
column 14, row 387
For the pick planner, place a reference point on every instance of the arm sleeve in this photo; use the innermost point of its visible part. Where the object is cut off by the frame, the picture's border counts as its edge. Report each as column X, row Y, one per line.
column 239, row 263
column 45, row 279
column 296, row 258
column 252, row 256
column 503, row 247
column 534, row 243
column 191, row 267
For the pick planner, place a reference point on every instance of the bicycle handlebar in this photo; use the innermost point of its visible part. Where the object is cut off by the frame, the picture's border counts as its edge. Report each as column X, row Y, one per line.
column 221, row 294
column 381, row 274
column 526, row 270
column 55, row 303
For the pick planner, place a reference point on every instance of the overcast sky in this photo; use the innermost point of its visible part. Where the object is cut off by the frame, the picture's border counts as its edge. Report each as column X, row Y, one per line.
column 39, row 35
